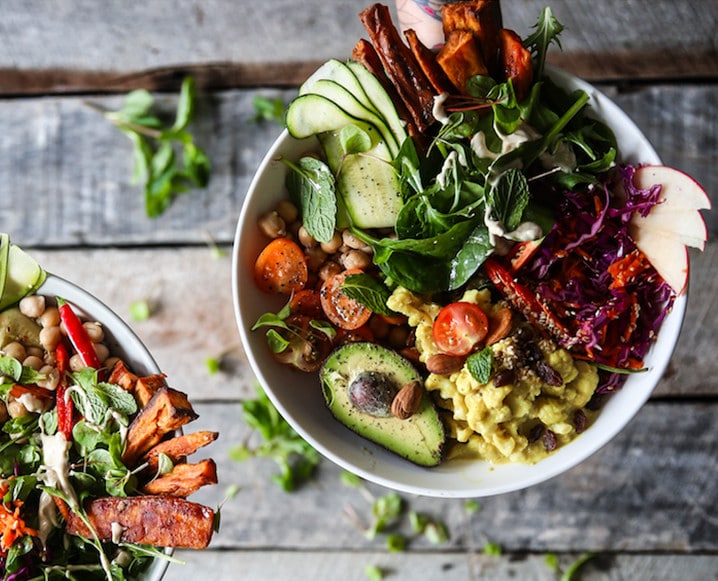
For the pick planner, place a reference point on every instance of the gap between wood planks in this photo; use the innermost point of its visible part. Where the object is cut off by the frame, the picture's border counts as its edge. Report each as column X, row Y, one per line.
column 613, row 67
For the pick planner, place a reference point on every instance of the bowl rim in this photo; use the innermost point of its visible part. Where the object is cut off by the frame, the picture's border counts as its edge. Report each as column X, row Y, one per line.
column 124, row 341
column 561, row 460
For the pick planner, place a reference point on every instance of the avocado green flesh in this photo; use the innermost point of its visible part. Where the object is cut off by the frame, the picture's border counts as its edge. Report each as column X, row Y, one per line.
column 419, row 438
column 14, row 326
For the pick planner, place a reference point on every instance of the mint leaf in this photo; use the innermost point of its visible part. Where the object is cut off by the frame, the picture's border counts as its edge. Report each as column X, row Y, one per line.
column 479, row 364
column 311, row 183
column 369, row 291
column 508, row 198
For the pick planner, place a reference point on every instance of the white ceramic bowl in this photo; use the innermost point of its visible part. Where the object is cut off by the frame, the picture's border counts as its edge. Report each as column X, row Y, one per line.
column 122, row 342
column 298, row 397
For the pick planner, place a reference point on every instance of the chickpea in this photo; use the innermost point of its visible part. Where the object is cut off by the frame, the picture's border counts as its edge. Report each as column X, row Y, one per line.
column 15, row 409
column 355, row 259
column 287, row 211
column 102, row 352
column 333, row 245
column 272, row 225
column 16, row 350
column 32, row 306
column 76, row 363
column 33, row 361
column 110, row 362
column 36, row 351
column 305, row 238
column 50, row 318
column 315, row 258
column 352, row 241
column 50, row 337
column 52, row 377
column 329, row 269
column 94, row 331
column 293, row 229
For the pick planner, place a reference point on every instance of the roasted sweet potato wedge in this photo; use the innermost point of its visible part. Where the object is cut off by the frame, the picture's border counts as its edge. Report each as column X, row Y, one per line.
column 122, row 376
column 147, row 386
column 460, row 59
column 161, row 521
column 184, row 479
column 178, row 448
column 483, row 19
column 427, row 61
column 400, row 66
column 516, row 61
column 167, row 411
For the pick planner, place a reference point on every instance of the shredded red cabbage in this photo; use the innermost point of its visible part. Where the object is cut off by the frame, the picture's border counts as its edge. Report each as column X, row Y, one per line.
column 591, row 274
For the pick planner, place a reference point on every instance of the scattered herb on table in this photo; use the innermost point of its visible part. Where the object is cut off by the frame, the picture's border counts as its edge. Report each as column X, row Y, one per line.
column 266, row 109
column 140, row 310
column 166, row 158
column 295, row 457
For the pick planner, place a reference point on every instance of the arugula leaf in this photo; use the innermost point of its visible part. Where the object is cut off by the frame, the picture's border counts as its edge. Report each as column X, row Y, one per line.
column 154, row 147
column 548, row 29
column 311, row 184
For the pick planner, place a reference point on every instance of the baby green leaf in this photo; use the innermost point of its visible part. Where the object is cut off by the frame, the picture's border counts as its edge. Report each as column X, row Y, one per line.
column 369, row 291
column 354, row 140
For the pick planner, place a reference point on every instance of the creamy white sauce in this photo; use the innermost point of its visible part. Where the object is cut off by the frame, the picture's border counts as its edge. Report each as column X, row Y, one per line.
column 564, row 159
column 117, row 530
column 526, row 230
column 523, row 134
column 32, row 404
column 56, row 467
column 438, row 110
column 47, row 516
column 446, row 169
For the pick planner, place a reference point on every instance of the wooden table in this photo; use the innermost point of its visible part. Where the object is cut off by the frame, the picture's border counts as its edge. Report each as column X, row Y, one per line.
column 645, row 504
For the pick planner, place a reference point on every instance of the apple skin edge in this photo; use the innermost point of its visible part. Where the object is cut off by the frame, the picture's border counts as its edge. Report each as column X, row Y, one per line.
column 664, row 234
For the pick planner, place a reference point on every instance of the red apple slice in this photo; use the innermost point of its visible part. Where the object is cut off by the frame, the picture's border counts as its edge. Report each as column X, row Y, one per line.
column 667, row 254
column 679, row 190
column 687, row 225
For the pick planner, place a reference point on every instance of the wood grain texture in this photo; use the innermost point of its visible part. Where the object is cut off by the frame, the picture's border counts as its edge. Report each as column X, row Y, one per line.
column 118, row 45
column 67, row 172
column 444, row 565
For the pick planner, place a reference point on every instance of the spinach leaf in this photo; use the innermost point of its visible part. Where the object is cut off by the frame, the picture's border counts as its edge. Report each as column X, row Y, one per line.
column 470, row 257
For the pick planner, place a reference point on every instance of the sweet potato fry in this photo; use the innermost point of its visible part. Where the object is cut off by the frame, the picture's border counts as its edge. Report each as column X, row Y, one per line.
column 147, row 386
column 167, row 411
column 161, row 521
column 460, row 59
column 400, row 66
column 427, row 61
column 122, row 376
column 516, row 61
column 184, row 479
column 483, row 19
column 178, row 448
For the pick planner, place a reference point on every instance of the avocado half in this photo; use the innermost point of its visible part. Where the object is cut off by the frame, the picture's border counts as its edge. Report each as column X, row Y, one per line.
column 419, row 438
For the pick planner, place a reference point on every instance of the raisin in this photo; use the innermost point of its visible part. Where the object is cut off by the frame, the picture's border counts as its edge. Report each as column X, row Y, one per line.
column 504, row 377
column 548, row 374
column 550, row 440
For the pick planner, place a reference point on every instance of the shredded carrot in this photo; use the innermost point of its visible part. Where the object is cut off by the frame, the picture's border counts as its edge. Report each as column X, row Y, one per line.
column 12, row 525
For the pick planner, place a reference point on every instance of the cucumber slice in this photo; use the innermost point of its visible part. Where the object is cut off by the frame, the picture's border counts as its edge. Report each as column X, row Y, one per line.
column 349, row 103
column 380, row 99
column 4, row 251
column 23, row 276
column 312, row 114
column 368, row 185
column 340, row 73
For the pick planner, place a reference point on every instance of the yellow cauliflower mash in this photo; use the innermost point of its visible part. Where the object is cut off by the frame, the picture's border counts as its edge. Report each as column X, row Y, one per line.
column 521, row 421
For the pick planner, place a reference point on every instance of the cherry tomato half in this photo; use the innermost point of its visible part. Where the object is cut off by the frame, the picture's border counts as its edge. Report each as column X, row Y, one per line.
column 459, row 328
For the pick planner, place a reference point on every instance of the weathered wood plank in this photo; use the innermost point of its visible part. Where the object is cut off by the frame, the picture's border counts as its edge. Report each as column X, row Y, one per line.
column 652, row 489
column 448, row 566
column 194, row 317
column 120, row 45
column 67, row 171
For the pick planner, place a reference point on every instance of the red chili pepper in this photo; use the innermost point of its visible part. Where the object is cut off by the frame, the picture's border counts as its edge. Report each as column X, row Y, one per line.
column 78, row 335
column 64, row 405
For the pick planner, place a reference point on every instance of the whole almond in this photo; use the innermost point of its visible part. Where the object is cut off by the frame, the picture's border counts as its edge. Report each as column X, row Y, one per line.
column 443, row 364
column 407, row 401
